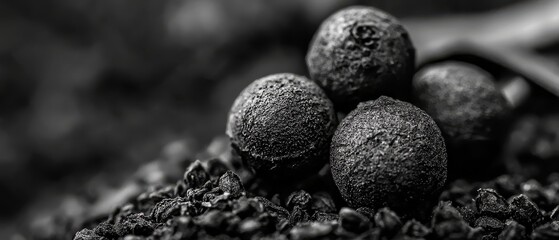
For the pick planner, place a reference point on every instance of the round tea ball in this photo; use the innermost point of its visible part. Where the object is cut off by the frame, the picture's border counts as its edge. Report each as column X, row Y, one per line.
column 360, row 53
column 471, row 112
column 462, row 98
column 388, row 153
column 281, row 125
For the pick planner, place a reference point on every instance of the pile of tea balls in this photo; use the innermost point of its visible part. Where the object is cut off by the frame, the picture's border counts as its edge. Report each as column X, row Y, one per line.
column 389, row 151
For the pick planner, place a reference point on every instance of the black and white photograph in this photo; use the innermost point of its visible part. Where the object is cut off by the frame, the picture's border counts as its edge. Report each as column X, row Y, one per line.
column 279, row 119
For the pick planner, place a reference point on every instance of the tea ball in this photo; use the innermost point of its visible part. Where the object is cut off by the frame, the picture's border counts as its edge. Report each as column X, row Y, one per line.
column 471, row 112
column 463, row 99
column 360, row 53
column 388, row 153
column 281, row 125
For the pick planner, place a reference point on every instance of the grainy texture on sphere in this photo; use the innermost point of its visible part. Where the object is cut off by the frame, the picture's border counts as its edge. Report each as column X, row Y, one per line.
column 281, row 125
column 388, row 153
column 359, row 54
column 463, row 99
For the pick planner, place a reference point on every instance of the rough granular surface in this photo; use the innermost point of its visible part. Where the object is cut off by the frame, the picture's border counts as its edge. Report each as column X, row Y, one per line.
column 282, row 125
column 359, row 54
column 508, row 207
column 463, row 99
column 388, row 153
column 471, row 112
column 388, row 157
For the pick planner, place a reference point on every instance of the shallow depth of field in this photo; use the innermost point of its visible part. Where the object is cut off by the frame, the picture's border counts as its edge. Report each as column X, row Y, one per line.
column 92, row 90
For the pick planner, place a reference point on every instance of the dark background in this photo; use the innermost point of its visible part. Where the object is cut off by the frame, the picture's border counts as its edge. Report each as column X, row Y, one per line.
column 92, row 89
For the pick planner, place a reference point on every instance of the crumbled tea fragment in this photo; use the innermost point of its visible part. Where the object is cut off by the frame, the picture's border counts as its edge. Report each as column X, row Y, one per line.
column 231, row 183
column 445, row 212
column 87, row 234
column 105, row 229
column 324, row 217
column 415, row 230
column 196, row 175
column 322, row 201
column 273, row 208
column 298, row 215
column 224, row 205
column 490, row 203
column 447, row 223
column 135, row 224
column 132, row 237
column 315, row 230
column 490, row 225
column 525, row 211
column 207, row 211
column 468, row 213
column 387, row 221
column 534, row 191
column 353, row 221
column 166, row 209
column 298, row 198
column 249, row 226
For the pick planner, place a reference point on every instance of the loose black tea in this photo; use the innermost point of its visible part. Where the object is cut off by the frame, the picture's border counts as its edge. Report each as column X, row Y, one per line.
column 390, row 170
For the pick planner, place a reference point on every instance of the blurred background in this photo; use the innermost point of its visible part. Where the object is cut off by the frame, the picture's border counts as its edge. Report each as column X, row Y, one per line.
column 91, row 90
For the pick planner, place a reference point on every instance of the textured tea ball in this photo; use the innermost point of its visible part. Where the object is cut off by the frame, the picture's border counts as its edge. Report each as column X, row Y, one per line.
column 360, row 53
column 388, row 153
column 462, row 98
column 471, row 112
column 281, row 125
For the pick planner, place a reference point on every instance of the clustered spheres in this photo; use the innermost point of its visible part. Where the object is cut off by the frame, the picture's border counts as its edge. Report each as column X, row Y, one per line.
column 387, row 152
